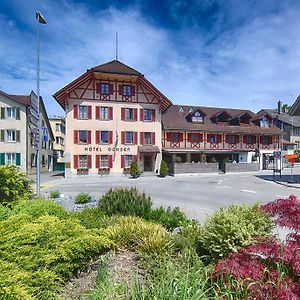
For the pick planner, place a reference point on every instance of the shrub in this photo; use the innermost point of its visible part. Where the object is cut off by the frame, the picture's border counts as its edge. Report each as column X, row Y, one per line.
column 91, row 218
column 169, row 218
column 135, row 233
column 40, row 207
column 5, row 212
column 54, row 194
column 125, row 201
column 82, row 198
column 231, row 228
column 37, row 255
column 14, row 186
column 163, row 171
column 134, row 169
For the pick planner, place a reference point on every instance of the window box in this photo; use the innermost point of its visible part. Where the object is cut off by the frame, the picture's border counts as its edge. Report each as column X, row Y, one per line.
column 103, row 171
column 82, row 171
column 126, row 171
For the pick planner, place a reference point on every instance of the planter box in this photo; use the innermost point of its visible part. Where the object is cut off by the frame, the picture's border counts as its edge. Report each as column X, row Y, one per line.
column 185, row 168
column 82, row 171
column 242, row 167
column 126, row 171
column 103, row 171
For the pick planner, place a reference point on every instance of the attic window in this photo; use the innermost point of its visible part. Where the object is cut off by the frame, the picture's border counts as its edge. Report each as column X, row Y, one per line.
column 197, row 117
column 181, row 109
column 264, row 122
column 190, row 110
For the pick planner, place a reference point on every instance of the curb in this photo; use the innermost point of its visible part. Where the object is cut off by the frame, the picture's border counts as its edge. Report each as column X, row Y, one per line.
column 287, row 185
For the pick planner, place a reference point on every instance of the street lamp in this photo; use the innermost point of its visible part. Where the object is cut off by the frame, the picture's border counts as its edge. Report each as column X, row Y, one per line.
column 39, row 20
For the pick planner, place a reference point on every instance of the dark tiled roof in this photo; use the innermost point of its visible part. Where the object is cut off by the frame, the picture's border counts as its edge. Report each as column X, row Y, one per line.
column 283, row 117
column 173, row 119
column 116, row 67
column 23, row 99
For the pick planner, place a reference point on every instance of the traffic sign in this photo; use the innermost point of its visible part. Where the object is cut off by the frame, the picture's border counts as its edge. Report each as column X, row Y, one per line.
column 277, row 154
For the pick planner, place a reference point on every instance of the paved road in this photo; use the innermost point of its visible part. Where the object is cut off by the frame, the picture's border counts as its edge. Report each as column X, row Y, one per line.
column 196, row 195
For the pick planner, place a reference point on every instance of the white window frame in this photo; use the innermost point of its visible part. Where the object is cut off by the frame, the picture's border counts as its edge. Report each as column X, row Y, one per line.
column 104, row 112
column 131, row 139
column 12, row 161
column 102, row 141
column 13, row 134
column 11, row 113
column 148, row 140
column 127, row 160
column 147, row 115
column 129, row 114
column 104, row 89
column 83, row 112
column 82, row 161
column 126, row 90
column 86, row 134
column 104, row 161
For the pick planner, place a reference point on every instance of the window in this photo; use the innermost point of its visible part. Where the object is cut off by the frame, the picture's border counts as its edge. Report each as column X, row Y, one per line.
column 59, row 140
column 129, row 137
column 195, row 138
column 213, row 139
column 147, row 138
column 266, row 140
column 83, row 112
column 174, row 137
column 264, row 122
column 104, row 137
column 103, row 113
column 43, row 160
column 57, row 127
column 297, row 131
column 104, row 88
column 83, row 136
column 129, row 114
column 147, row 114
column 33, row 160
column 127, row 160
column 249, row 139
column 83, row 161
column 11, row 135
column 231, row 139
column 197, row 117
column 11, row 112
column 104, row 161
column 126, row 90
column 11, row 158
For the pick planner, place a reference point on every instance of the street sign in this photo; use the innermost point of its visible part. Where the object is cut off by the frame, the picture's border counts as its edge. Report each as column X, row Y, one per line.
column 277, row 154
column 45, row 134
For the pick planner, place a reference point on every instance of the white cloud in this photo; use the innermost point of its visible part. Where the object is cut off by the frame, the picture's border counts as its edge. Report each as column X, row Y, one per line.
column 250, row 66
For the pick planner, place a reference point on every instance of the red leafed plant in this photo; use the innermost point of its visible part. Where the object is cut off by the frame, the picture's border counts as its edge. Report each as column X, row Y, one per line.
column 268, row 269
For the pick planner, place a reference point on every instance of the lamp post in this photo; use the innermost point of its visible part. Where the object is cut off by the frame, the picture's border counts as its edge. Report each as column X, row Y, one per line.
column 39, row 20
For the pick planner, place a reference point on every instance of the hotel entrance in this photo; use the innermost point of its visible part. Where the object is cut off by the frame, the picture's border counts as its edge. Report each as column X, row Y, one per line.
column 148, row 162
column 147, row 155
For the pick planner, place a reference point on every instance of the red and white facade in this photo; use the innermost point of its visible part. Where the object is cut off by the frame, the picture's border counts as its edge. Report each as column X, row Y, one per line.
column 113, row 116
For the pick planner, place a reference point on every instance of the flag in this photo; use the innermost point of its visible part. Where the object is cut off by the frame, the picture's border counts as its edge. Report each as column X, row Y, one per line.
column 40, row 18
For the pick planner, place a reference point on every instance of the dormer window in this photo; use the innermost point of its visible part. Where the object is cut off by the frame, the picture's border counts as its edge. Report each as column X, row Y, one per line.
column 197, row 117
column 181, row 109
column 264, row 122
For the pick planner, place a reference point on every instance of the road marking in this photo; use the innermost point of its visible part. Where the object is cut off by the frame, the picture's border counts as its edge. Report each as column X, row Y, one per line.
column 220, row 181
column 91, row 184
column 228, row 187
column 281, row 196
column 247, row 191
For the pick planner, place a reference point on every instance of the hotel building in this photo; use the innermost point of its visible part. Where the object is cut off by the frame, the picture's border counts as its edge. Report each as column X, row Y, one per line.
column 115, row 115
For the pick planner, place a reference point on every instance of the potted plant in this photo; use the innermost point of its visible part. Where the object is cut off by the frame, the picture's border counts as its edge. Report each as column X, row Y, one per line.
column 103, row 171
column 163, row 171
column 82, row 171
column 134, row 169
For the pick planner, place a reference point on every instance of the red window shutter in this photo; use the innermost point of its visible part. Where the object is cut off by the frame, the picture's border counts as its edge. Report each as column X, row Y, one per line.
column 120, row 89
column 122, row 161
column 209, row 138
column 97, row 112
column 153, row 115
column 237, row 139
column 89, row 161
column 134, row 157
column 75, row 111
column 200, row 137
column 142, row 138
column 75, row 136
column 111, row 88
column 244, row 139
column 123, row 137
column 98, row 90
column 254, row 139
column 97, row 137
column 110, row 137
column 153, row 138
column 270, row 140
column 180, row 137
column 97, row 161
column 122, row 113
column 110, row 113
column 135, row 141
column 142, row 114
column 89, row 137
column 89, row 112
column 189, row 137
column 135, row 114
column 227, row 138
column 75, row 161
column 110, row 161
column 219, row 138
column 168, row 136
column 132, row 90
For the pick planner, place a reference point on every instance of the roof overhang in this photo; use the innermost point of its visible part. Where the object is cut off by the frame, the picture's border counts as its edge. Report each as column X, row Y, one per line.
column 148, row 149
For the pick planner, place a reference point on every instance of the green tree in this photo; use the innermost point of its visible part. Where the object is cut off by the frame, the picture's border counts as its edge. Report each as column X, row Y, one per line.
column 134, row 169
column 163, row 171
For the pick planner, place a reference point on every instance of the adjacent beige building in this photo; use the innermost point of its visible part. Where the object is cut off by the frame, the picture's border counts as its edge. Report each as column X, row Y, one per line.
column 18, row 128
column 113, row 116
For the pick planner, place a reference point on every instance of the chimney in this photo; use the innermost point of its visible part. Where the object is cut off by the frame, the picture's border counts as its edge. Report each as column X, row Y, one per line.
column 279, row 107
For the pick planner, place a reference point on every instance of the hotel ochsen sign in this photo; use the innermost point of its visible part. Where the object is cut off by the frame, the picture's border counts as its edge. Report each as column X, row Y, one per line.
column 109, row 149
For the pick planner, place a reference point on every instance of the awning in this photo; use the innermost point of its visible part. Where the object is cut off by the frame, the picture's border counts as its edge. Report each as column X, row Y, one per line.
column 148, row 149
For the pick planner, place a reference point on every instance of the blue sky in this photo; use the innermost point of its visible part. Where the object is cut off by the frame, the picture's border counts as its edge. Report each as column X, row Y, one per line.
column 230, row 53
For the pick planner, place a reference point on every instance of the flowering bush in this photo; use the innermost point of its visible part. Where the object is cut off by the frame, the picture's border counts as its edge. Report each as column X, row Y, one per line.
column 269, row 269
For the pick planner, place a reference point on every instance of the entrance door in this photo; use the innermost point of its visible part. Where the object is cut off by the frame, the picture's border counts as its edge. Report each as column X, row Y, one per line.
column 148, row 163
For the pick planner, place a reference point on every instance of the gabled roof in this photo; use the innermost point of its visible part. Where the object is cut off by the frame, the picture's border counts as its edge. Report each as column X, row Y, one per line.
column 116, row 67
column 295, row 109
column 23, row 99
column 283, row 117
column 174, row 120
column 223, row 111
